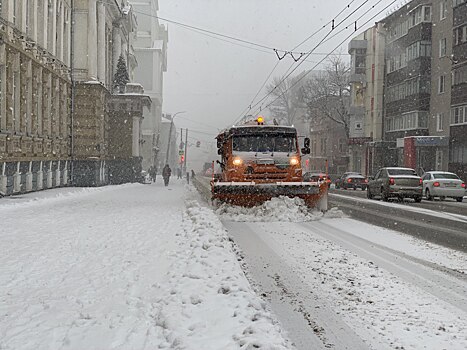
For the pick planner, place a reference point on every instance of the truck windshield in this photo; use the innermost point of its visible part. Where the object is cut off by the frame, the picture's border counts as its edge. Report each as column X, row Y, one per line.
column 264, row 143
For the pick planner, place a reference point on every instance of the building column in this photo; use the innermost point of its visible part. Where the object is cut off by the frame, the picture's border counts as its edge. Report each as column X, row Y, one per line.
column 136, row 135
column 92, row 39
column 53, row 41
column 34, row 20
column 61, row 31
column 45, row 22
column 117, row 47
column 101, row 42
column 68, row 38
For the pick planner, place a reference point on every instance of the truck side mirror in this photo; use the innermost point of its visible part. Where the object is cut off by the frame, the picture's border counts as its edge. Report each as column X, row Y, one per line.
column 306, row 146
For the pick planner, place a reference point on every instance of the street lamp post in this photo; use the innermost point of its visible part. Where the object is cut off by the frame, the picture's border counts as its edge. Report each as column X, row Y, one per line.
column 170, row 134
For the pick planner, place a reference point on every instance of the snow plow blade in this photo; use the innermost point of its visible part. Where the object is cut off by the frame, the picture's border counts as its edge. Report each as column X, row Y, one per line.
column 250, row 194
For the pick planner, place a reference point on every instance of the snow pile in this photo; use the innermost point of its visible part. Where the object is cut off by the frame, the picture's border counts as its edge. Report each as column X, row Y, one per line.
column 277, row 209
column 207, row 302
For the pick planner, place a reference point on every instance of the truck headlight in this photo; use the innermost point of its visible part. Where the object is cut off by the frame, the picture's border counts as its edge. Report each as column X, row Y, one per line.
column 293, row 161
column 237, row 161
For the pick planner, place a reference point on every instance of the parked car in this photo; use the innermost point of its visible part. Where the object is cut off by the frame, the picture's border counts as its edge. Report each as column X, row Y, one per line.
column 316, row 177
column 395, row 182
column 352, row 180
column 443, row 184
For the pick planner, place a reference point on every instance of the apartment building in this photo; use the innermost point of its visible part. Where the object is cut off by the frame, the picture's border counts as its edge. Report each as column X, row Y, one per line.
column 424, row 124
column 458, row 115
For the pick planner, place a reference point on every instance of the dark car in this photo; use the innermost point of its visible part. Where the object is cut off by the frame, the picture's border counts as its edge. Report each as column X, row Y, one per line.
column 352, row 180
column 316, row 177
column 395, row 182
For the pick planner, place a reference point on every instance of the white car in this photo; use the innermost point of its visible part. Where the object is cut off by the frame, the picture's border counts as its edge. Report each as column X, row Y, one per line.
column 443, row 184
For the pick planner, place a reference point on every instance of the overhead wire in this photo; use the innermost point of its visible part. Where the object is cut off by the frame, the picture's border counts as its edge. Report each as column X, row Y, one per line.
column 218, row 34
column 289, row 71
column 258, row 110
column 248, row 108
column 309, row 71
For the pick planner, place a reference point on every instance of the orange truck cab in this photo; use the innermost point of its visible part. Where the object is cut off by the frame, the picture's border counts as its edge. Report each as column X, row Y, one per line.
column 259, row 162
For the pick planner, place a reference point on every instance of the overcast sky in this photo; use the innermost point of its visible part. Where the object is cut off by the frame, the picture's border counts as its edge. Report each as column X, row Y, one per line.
column 214, row 81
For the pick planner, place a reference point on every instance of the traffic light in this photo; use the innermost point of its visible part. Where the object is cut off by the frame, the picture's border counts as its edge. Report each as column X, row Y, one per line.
column 198, row 143
column 182, row 158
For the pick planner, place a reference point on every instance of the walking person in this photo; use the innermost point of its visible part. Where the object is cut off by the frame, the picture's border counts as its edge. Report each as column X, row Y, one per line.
column 179, row 173
column 166, row 172
column 152, row 173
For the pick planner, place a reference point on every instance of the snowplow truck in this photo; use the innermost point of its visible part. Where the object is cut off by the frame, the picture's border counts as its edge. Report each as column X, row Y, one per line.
column 259, row 162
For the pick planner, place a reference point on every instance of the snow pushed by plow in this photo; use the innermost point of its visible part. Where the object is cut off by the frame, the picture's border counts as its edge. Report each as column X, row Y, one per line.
column 277, row 209
column 213, row 298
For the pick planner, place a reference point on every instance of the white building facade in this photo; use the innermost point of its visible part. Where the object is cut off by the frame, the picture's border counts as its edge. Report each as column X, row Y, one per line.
column 35, row 58
column 150, row 47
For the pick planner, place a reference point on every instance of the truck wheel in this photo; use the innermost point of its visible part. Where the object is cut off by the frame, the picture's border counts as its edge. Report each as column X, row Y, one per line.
column 417, row 199
column 459, row 199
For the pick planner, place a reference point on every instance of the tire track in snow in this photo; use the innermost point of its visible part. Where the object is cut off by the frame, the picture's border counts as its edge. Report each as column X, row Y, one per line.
column 450, row 287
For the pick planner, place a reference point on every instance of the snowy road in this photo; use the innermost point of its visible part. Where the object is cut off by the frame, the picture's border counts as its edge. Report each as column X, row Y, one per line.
column 345, row 284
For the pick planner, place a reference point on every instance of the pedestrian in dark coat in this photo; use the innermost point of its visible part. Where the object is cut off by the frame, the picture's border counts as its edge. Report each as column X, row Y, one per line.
column 152, row 173
column 166, row 172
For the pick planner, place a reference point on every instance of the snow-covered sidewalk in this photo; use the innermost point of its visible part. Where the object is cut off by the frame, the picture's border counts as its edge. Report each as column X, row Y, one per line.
column 124, row 267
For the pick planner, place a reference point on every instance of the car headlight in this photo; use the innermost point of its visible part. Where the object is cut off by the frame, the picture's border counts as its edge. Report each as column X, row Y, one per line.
column 237, row 161
column 293, row 161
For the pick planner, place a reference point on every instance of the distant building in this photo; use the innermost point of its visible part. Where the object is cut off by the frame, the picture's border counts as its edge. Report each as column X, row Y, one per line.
column 103, row 33
column 169, row 150
column 367, row 150
column 150, row 46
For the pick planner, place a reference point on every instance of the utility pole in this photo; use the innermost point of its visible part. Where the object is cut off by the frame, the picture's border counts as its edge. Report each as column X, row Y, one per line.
column 186, row 147
column 170, row 135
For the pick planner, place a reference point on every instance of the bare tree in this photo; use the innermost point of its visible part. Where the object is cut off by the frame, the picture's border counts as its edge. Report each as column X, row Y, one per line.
column 327, row 94
column 285, row 99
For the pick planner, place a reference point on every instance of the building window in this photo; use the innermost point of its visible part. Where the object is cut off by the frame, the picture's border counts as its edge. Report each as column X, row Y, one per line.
column 459, row 75
column 458, row 154
column 13, row 4
column 407, row 121
column 439, row 160
column 460, row 35
column 419, row 15
column 441, row 84
column 323, row 146
column 399, row 30
column 459, row 115
column 439, row 121
column 457, row 2
column 443, row 9
column 313, row 148
column 418, row 49
column 442, row 47
column 342, row 146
